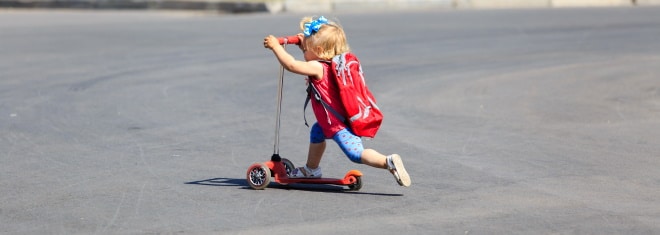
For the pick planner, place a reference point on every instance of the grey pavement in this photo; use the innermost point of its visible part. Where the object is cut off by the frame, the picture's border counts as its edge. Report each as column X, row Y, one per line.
column 509, row 122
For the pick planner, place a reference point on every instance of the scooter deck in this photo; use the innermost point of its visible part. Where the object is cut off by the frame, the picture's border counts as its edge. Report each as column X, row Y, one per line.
column 260, row 174
column 347, row 180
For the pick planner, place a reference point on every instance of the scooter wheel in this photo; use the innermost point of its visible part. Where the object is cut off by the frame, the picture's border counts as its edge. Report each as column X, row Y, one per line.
column 357, row 185
column 258, row 176
column 288, row 166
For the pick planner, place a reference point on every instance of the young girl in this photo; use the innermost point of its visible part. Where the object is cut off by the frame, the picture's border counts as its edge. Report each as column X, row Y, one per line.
column 321, row 40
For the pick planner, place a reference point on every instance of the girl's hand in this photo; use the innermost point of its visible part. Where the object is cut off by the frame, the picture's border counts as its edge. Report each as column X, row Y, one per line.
column 271, row 41
column 301, row 37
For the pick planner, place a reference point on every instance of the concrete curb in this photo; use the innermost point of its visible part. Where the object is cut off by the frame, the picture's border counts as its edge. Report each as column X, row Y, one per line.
column 316, row 6
column 210, row 5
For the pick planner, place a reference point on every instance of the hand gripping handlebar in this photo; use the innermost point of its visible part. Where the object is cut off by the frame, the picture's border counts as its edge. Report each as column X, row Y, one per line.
column 289, row 40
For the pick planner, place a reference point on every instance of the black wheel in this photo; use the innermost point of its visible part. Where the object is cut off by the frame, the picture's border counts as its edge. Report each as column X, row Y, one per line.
column 288, row 165
column 357, row 185
column 258, row 176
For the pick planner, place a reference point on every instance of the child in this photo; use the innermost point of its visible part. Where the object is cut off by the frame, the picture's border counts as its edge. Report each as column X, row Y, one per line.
column 321, row 40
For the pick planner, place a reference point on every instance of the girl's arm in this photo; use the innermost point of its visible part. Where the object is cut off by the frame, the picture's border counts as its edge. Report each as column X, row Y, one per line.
column 307, row 68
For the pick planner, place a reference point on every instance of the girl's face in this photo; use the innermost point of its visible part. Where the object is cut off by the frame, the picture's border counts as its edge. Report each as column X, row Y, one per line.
column 309, row 55
column 307, row 51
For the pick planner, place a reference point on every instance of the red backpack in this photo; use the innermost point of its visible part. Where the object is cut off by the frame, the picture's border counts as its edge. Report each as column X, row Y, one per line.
column 364, row 116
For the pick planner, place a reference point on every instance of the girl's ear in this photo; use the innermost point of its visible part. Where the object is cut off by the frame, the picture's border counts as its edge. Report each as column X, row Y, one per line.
column 319, row 50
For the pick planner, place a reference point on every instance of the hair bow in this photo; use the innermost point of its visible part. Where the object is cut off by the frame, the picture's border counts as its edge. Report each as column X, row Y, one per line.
column 314, row 26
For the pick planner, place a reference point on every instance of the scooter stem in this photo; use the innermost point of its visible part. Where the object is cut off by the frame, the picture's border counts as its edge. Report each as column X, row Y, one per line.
column 276, row 145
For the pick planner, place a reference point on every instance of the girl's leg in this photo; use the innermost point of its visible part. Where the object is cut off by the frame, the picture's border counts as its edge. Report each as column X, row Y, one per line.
column 315, row 154
column 352, row 147
column 316, row 146
column 373, row 158
column 392, row 163
column 350, row 144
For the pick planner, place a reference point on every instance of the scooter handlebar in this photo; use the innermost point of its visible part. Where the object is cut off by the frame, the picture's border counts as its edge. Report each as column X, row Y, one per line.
column 289, row 40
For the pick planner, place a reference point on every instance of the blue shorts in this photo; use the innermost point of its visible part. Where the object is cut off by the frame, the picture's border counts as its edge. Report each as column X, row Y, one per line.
column 349, row 143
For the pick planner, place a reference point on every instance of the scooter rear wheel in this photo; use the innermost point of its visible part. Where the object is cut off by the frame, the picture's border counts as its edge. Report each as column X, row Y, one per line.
column 258, row 176
column 357, row 185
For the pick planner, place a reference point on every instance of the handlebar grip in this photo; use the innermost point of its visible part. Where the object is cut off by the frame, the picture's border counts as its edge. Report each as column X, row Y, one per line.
column 289, row 40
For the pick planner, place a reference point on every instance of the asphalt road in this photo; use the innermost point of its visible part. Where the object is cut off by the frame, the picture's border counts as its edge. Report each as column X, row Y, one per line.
column 509, row 122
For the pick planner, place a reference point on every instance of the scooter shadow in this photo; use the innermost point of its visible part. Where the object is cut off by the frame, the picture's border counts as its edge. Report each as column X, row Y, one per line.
column 242, row 184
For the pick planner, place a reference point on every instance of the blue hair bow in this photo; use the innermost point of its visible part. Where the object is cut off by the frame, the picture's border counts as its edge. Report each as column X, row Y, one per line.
column 314, row 26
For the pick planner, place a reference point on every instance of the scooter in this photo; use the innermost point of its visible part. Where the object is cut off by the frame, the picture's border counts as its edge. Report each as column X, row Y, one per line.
column 260, row 174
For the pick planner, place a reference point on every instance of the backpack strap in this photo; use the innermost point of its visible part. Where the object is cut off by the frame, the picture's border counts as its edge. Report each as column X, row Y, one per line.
column 311, row 90
column 305, row 106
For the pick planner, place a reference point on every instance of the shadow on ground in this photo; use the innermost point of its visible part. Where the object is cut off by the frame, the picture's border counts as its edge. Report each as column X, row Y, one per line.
column 242, row 184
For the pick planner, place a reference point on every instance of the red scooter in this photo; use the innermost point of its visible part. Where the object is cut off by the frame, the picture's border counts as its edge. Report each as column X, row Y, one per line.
column 260, row 174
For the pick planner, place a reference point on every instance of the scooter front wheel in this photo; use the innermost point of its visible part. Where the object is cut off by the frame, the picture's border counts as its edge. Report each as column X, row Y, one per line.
column 288, row 166
column 258, row 176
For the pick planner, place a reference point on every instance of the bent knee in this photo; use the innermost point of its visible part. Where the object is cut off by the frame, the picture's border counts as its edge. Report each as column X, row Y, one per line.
column 355, row 156
column 350, row 144
column 316, row 134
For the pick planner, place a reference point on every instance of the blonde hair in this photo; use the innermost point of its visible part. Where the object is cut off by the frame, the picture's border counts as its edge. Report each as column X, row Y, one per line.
column 330, row 37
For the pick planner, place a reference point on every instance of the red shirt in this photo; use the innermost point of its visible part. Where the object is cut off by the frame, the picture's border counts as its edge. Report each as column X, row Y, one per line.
column 327, row 87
